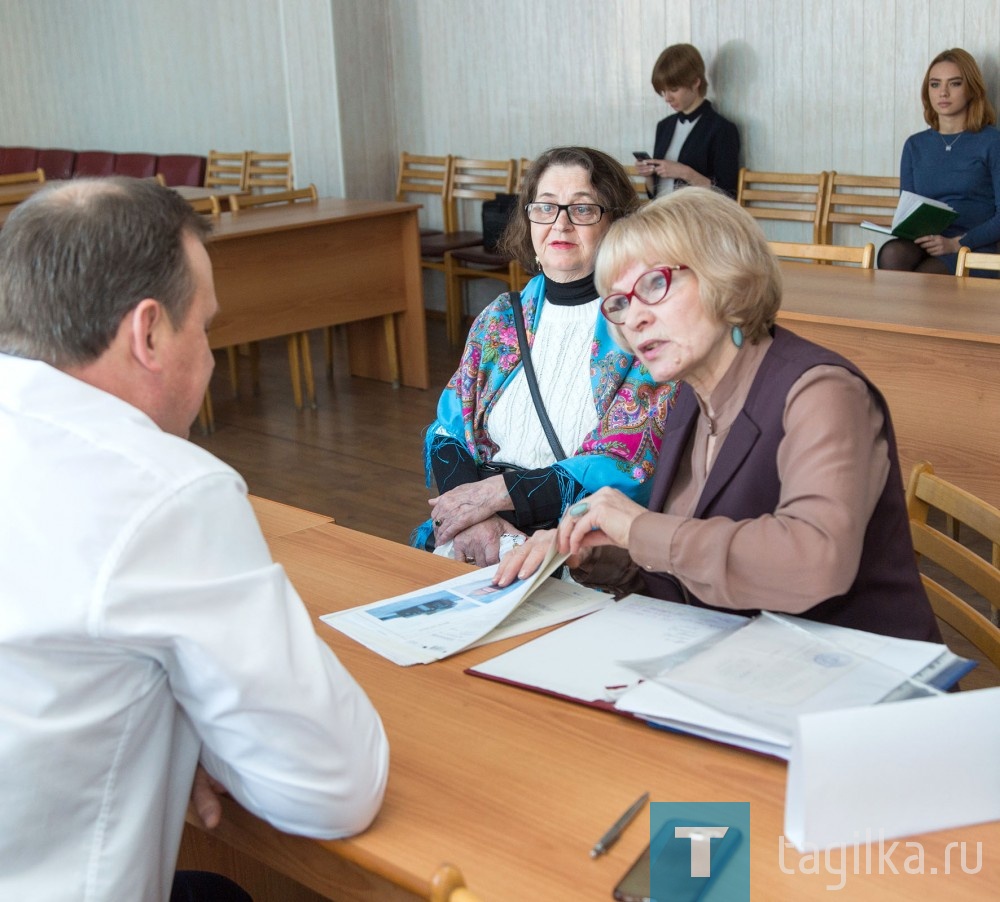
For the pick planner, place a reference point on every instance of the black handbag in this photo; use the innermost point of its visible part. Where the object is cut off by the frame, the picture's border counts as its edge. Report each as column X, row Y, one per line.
column 496, row 215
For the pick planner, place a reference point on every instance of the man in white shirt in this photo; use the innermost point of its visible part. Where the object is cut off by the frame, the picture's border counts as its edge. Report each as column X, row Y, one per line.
column 143, row 625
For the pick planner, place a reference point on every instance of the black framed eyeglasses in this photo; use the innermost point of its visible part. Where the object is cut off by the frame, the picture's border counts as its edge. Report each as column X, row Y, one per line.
column 579, row 214
column 650, row 288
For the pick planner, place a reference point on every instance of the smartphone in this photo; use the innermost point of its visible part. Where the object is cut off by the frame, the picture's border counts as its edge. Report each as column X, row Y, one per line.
column 640, row 154
column 674, row 858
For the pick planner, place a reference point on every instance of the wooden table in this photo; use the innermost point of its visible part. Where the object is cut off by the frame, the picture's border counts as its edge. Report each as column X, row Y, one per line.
column 283, row 270
column 514, row 787
column 930, row 343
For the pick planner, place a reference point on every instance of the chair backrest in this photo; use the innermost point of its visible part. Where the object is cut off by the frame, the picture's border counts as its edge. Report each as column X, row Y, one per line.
column 57, row 163
column 241, row 202
column 523, row 165
column 784, row 196
column 638, row 181
column 924, row 491
column 969, row 260
column 18, row 159
column 825, row 253
column 181, row 169
column 422, row 174
column 476, row 180
column 268, row 171
column 137, row 165
column 94, row 164
column 23, row 178
column 226, row 170
column 851, row 199
column 208, row 205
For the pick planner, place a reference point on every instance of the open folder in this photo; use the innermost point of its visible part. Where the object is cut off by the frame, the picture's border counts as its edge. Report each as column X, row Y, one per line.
column 742, row 681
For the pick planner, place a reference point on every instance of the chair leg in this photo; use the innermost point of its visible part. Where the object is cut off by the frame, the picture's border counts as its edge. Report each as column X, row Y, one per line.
column 307, row 368
column 453, row 301
column 206, row 416
column 389, row 326
column 328, row 351
column 254, row 352
column 295, row 369
column 232, row 355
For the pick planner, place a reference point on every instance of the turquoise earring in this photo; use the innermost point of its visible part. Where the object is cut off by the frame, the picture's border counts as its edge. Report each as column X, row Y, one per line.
column 737, row 335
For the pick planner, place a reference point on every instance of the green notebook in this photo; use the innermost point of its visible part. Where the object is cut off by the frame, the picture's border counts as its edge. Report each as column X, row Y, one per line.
column 915, row 217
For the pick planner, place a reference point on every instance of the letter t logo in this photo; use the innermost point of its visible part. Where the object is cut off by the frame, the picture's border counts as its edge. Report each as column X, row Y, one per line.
column 701, row 846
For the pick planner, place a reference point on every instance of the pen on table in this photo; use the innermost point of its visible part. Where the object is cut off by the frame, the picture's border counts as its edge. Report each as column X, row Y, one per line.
column 618, row 827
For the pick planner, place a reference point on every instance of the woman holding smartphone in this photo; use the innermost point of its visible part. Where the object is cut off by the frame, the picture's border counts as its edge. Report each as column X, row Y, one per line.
column 694, row 146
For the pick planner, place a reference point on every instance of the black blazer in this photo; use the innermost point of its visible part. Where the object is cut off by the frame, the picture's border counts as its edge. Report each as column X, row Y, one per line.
column 712, row 148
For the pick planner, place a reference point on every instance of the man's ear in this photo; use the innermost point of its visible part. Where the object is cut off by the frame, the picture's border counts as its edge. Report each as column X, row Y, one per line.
column 144, row 325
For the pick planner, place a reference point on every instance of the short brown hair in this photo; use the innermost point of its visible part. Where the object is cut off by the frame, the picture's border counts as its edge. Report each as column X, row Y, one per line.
column 979, row 113
column 739, row 279
column 612, row 188
column 679, row 66
column 76, row 259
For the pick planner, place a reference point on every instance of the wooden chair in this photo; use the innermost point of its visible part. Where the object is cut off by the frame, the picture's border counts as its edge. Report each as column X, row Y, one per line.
column 419, row 174
column 472, row 182
column 30, row 181
column 500, row 174
column 226, row 170
column 639, row 181
column 851, row 199
column 245, row 201
column 209, row 205
column 970, row 260
column 448, row 885
column 924, row 491
column 23, row 178
column 268, row 171
column 783, row 196
column 826, row 253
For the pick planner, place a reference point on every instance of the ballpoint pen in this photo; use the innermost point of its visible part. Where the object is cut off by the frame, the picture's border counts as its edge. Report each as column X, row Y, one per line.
column 618, row 827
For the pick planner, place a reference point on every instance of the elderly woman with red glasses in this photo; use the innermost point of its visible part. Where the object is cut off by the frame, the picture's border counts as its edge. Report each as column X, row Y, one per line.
column 778, row 483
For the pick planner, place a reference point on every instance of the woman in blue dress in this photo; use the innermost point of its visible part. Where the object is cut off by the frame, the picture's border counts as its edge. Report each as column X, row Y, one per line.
column 956, row 160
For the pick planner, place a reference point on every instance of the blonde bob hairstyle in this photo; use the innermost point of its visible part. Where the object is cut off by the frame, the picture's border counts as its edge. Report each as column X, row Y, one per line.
column 739, row 280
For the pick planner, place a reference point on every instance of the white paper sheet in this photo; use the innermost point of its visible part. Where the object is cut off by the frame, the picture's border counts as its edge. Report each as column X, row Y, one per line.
column 441, row 620
column 895, row 770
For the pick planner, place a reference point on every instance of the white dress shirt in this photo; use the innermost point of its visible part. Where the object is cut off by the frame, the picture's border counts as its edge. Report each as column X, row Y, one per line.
column 142, row 624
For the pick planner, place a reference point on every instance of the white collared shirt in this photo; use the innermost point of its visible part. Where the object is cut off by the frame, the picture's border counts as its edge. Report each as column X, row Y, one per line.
column 142, row 622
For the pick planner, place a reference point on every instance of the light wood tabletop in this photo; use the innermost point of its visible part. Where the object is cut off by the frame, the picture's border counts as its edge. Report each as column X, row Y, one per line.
column 514, row 787
column 930, row 343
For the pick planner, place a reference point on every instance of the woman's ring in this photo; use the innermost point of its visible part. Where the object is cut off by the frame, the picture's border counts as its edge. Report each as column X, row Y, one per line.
column 438, row 522
column 579, row 509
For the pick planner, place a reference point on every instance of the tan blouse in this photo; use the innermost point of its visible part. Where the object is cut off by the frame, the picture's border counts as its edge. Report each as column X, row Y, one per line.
column 832, row 462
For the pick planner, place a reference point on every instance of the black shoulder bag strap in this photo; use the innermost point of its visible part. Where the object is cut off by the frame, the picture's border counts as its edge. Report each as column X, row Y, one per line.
column 529, row 374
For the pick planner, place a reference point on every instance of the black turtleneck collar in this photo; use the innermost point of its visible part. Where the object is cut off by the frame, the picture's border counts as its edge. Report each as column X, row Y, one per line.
column 570, row 294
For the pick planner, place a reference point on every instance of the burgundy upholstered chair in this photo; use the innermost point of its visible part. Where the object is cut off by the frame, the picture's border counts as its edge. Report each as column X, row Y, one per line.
column 181, row 169
column 136, row 165
column 94, row 164
column 18, row 159
column 57, row 163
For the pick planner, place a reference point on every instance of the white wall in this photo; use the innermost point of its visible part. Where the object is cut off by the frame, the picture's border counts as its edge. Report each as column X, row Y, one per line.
column 347, row 84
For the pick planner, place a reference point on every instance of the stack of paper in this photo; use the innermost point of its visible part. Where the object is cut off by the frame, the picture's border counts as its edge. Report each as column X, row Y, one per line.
column 722, row 676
